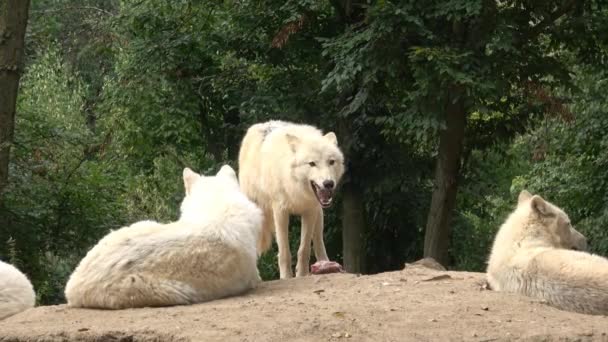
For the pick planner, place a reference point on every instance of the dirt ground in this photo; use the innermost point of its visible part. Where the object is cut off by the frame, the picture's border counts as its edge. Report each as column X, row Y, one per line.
column 416, row 304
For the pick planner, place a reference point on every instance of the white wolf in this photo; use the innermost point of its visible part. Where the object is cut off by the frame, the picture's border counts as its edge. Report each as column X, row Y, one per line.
column 209, row 253
column 532, row 255
column 16, row 291
column 289, row 168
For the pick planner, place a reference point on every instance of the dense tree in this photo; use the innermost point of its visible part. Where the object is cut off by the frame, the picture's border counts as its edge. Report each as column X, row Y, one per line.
column 448, row 60
column 13, row 22
column 444, row 110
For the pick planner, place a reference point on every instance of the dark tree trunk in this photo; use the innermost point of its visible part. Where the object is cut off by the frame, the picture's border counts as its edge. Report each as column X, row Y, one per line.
column 451, row 141
column 232, row 121
column 353, row 228
column 350, row 12
column 13, row 22
column 209, row 136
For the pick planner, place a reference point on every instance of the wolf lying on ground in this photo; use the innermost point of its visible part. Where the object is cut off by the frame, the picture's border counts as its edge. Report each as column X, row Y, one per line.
column 209, row 253
column 288, row 168
column 16, row 291
column 533, row 255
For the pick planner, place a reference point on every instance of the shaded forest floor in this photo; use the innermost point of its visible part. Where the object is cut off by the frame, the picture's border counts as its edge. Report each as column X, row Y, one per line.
column 416, row 304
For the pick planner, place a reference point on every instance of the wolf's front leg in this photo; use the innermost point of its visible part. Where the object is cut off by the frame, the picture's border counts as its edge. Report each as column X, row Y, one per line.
column 317, row 237
column 309, row 222
column 281, row 225
column 323, row 265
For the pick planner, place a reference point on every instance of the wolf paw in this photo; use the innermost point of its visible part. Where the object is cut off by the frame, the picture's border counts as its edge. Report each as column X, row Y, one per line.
column 324, row 267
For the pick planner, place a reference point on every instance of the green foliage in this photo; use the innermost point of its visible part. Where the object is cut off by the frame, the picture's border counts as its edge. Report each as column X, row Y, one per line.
column 119, row 96
column 572, row 165
column 563, row 159
column 58, row 200
column 484, row 201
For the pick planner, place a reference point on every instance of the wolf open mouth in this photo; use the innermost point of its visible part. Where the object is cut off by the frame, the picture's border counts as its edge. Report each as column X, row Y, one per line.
column 324, row 196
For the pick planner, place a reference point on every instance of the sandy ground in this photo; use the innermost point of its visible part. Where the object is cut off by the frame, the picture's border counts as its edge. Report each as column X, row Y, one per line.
column 416, row 304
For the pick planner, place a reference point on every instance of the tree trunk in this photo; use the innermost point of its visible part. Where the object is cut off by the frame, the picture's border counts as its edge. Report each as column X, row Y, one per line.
column 233, row 135
column 13, row 22
column 213, row 145
column 353, row 228
column 451, row 141
column 351, row 12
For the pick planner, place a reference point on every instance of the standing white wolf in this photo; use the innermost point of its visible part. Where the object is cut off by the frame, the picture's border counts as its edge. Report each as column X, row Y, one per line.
column 209, row 253
column 16, row 291
column 532, row 255
column 289, row 168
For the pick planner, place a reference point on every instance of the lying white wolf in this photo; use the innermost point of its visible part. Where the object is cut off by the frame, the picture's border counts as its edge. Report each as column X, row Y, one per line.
column 209, row 253
column 16, row 291
column 532, row 255
column 288, row 168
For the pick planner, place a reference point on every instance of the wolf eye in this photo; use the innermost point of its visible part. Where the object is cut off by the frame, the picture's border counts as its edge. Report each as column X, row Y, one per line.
column 312, row 164
column 331, row 162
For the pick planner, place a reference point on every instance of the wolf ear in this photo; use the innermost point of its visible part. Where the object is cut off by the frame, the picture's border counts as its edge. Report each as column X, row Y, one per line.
column 331, row 137
column 227, row 171
column 540, row 206
column 293, row 141
column 524, row 195
column 190, row 177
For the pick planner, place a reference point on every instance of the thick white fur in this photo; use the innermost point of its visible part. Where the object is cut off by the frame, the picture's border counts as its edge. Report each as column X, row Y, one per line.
column 16, row 291
column 209, row 253
column 532, row 255
column 274, row 172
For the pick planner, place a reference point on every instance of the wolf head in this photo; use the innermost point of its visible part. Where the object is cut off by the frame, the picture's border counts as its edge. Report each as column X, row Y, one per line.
column 208, row 191
column 550, row 223
column 318, row 164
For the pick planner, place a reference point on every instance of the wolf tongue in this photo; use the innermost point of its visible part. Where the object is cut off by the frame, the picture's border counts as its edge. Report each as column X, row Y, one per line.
column 324, row 194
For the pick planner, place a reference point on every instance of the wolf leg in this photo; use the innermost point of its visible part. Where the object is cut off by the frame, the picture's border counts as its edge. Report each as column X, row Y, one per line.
column 281, row 225
column 135, row 291
column 317, row 237
column 266, row 235
column 323, row 265
column 309, row 222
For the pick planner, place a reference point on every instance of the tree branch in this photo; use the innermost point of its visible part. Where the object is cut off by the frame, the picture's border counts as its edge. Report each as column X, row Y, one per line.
column 339, row 9
column 101, row 10
column 552, row 18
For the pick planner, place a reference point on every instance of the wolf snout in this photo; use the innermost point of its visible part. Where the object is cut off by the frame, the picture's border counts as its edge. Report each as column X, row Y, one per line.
column 579, row 240
column 581, row 244
column 584, row 245
column 329, row 184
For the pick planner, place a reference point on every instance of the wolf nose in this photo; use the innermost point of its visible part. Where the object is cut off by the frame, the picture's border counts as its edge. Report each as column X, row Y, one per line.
column 585, row 245
column 328, row 184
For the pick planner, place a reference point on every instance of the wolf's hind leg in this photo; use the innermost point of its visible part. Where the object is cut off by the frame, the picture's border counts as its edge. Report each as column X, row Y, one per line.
column 141, row 290
column 266, row 235
column 281, row 224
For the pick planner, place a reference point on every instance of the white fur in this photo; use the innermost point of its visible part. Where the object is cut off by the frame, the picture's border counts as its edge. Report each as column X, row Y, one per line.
column 209, row 253
column 16, row 291
column 532, row 255
column 275, row 172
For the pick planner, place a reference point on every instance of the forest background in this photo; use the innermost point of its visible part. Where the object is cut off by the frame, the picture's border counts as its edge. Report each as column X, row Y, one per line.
column 445, row 110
